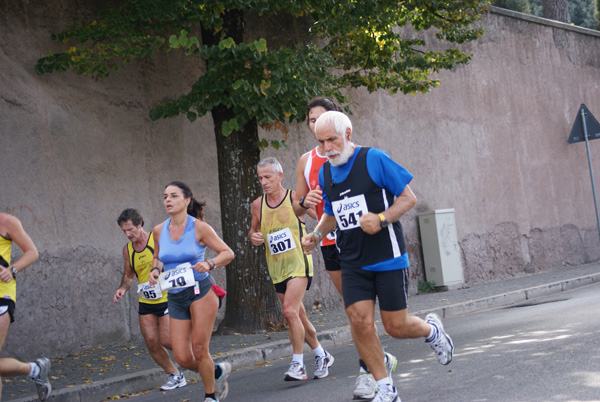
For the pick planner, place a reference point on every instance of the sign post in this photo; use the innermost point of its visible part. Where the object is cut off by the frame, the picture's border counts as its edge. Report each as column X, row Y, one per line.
column 585, row 122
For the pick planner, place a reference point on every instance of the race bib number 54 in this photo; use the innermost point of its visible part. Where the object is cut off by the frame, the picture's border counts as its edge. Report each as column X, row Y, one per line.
column 281, row 241
column 180, row 277
column 349, row 210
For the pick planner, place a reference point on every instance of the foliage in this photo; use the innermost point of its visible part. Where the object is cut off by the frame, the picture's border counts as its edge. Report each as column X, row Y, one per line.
column 583, row 13
column 536, row 8
column 364, row 47
column 427, row 287
column 521, row 6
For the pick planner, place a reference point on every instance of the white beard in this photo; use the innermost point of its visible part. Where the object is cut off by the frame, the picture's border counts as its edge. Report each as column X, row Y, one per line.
column 343, row 157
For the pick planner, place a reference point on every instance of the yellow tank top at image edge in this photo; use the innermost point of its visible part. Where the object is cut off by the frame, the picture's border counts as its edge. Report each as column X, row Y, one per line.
column 7, row 290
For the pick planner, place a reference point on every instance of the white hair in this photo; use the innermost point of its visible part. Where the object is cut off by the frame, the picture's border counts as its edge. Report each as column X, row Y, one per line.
column 340, row 121
column 275, row 165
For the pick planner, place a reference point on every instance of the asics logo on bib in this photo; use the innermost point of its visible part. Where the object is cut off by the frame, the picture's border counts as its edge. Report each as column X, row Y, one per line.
column 174, row 272
column 279, row 236
column 348, row 206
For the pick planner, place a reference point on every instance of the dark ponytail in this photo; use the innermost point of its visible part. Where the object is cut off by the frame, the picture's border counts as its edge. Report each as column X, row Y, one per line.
column 195, row 208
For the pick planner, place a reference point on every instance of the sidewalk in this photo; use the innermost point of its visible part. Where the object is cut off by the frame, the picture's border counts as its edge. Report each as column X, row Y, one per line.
column 105, row 372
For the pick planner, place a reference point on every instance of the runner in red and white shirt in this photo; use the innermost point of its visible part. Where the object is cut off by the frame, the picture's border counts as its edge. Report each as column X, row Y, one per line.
column 308, row 192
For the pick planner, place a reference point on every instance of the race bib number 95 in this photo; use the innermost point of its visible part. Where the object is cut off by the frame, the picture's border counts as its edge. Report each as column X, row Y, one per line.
column 180, row 277
column 149, row 292
column 281, row 241
column 349, row 210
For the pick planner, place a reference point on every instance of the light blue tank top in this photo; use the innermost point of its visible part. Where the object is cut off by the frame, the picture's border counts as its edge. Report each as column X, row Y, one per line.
column 186, row 249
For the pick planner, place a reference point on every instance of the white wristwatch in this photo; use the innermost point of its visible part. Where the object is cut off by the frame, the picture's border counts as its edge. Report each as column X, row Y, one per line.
column 14, row 270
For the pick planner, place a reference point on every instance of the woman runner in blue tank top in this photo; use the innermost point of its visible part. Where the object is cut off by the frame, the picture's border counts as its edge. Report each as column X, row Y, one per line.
column 183, row 239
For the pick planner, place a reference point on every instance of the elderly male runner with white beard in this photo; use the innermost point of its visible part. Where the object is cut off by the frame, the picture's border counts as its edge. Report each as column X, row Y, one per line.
column 365, row 194
column 309, row 198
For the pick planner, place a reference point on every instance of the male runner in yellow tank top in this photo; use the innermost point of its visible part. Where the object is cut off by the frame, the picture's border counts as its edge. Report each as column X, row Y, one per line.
column 11, row 231
column 153, row 310
column 275, row 225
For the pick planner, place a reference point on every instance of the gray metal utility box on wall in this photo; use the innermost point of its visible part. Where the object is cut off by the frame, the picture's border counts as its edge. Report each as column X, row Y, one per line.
column 441, row 254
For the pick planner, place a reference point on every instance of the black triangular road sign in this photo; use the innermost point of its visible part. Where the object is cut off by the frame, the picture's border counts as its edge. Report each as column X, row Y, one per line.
column 592, row 126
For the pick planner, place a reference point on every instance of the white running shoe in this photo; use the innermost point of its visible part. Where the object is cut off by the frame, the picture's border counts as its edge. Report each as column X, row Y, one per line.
column 387, row 394
column 442, row 345
column 42, row 381
column 366, row 386
column 390, row 365
column 296, row 372
column 221, row 386
column 322, row 365
column 176, row 380
column 209, row 399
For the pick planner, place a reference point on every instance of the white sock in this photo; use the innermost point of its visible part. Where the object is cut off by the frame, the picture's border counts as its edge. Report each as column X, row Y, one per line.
column 319, row 351
column 432, row 334
column 298, row 358
column 35, row 370
column 385, row 382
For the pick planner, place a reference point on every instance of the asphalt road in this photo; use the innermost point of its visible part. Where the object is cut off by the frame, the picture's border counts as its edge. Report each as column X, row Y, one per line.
column 543, row 350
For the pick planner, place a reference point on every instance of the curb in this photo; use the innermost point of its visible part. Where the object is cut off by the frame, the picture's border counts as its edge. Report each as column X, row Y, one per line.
column 149, row 379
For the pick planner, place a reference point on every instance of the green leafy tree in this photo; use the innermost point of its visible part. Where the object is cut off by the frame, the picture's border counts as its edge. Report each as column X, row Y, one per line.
column 581, row 12
column 536, row 7
column 250, row 82
column 521, row 6
column 556, row 10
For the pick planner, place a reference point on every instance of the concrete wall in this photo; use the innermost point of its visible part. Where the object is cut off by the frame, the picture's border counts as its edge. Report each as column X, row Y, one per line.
column 491, row 142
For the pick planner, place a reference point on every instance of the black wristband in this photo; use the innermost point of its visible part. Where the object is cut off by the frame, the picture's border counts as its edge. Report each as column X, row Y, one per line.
column 301, row 202
column 153, row 268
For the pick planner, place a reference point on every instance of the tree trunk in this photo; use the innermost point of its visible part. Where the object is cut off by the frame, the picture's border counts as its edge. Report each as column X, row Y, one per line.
column 556, row 10
column 251, row 302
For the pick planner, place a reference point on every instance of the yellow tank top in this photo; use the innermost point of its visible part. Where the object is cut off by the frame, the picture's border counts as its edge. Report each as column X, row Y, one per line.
column 7, row 290
column 141, row 262
column 282, row 231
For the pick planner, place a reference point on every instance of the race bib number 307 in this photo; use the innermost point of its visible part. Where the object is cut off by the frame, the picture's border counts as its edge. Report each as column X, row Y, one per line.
column 180, row 277
column 280, row 241
column 349, row 210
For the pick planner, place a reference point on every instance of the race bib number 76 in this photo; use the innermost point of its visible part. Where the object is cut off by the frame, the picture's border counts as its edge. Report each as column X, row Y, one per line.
column 349, row 210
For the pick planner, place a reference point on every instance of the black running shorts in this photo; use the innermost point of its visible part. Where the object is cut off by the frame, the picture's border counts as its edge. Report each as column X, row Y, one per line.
column 389, row 287
column 331, row 257
column 158, row 309
column 8, row 306
column 282, row 286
